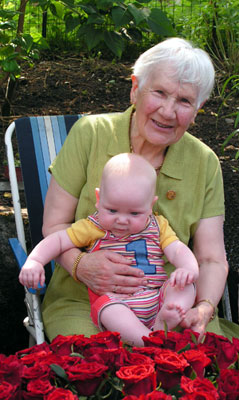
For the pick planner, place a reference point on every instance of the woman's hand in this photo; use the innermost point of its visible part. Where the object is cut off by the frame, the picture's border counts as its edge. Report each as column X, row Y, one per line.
column 197, row 319
column 108, row 272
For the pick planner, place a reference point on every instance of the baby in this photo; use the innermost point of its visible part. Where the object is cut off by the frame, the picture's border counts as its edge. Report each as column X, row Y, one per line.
column 124, row 223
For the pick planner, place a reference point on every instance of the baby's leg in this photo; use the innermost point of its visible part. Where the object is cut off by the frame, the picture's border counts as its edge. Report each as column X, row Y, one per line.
column 120, row 318
column 176, row 303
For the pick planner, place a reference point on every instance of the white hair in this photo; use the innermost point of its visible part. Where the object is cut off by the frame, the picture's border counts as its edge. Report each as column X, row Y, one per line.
column 191, row 65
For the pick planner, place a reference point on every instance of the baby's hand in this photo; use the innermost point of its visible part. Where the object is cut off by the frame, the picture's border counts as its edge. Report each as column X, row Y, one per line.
column 31, row 274
column 182, row 277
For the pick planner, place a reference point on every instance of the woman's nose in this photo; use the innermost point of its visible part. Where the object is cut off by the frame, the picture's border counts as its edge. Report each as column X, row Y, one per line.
column 167, row 108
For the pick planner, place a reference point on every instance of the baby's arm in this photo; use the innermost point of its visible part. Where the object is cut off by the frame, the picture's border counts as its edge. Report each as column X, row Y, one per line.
column 49, row 248
column 185, row 263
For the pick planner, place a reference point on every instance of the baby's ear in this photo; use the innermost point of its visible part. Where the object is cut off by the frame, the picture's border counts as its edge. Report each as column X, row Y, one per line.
column 97, row 195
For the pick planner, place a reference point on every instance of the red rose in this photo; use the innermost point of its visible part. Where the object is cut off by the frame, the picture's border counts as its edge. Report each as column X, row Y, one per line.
column 235, row 341
column 154, row 339
column 86, row 376
column 155, row 395
column 114, row 358
column 31, row 358
column 106, row 339
column 197, row 360
column 169, row 367
column 147, row 351
column 34, row 349
column 61, row 394
column 199, row 396
column 11, row 370
column 37, row 388
column 62, row 345
column 137, row 359
column 173, row 340
column 81, row 343
column 228, row 384
column 8, row 391
column 226, row 351
column 138, row 379
column 37, row 371
column 205, row 386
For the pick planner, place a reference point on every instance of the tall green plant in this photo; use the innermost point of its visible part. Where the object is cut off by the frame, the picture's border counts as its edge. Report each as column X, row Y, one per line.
column 112, row 23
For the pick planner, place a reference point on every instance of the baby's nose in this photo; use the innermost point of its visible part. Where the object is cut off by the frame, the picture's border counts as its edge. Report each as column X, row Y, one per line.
column 122, row 219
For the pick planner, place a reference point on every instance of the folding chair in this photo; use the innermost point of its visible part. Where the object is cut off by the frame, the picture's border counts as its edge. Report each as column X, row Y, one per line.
column 39, row 141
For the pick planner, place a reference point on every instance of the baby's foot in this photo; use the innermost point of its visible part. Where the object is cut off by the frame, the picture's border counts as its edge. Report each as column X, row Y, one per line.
column 171, row 314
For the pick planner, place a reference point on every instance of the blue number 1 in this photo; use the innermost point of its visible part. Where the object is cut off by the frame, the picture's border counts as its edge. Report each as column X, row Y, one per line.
column 140, row 250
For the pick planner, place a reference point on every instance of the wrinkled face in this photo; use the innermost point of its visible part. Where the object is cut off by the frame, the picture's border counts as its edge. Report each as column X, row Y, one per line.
column 123, row 209
column 164, row 108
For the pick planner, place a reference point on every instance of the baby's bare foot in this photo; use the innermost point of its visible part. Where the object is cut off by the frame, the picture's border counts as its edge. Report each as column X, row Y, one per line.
column 171, row 314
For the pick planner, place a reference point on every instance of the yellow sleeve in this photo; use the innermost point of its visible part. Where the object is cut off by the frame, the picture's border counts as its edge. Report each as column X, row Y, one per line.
column 167, row 235
column 83, row 233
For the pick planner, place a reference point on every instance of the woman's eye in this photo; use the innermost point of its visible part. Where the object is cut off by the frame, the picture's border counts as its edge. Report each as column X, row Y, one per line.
column 184, row 100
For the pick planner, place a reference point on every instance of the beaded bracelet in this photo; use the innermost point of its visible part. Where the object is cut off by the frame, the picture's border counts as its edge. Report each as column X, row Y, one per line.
column 212, row 305
column 75, row 265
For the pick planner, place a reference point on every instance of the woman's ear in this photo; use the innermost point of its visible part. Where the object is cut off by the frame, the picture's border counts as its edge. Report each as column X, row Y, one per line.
column 97, row 195
column 134, row 89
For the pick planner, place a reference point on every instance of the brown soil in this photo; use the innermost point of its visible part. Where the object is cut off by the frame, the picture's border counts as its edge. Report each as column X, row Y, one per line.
column 74, row 85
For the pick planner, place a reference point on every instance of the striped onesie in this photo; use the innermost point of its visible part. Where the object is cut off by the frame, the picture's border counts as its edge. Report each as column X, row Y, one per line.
column 144, row 249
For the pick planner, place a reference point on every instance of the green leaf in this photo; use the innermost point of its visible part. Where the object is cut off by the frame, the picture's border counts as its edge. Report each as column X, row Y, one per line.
column 159, row 23
column 143, row 1
column 93, row 37
column 71, row 23
column 185, row 348
column 11, row 66
column 114, row 42
column 59, row 371
column 88, row 9
column 139, row 15
column 95, row 19
column 8, row 25
column 120, row 16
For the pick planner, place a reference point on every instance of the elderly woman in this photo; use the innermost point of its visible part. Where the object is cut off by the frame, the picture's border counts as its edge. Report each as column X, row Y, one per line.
column 169, row 84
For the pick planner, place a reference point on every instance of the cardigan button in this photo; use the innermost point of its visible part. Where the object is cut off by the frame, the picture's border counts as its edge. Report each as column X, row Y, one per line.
column 171, row 194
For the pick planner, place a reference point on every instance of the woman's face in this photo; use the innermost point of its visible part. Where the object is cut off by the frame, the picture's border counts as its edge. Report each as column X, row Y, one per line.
column 164, row 108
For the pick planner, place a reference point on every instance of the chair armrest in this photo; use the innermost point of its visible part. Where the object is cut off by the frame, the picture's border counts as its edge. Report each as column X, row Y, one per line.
column 21, row 256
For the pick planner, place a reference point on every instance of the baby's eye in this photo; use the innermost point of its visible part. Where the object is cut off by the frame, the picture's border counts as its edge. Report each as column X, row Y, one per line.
column 134, row 213
column 112, row 211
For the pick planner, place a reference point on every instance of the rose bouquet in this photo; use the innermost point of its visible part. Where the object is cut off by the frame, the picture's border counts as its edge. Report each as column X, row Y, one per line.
column 170, row 366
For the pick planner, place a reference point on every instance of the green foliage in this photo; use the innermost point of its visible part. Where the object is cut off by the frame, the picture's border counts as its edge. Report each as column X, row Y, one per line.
column 233, row 81
column 112, row 23
column 14, row 47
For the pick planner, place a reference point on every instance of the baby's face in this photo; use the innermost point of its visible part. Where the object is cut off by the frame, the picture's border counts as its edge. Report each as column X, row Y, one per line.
column 124, row 210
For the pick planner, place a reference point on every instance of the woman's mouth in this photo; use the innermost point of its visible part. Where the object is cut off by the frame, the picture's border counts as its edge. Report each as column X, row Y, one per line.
column 161, row 125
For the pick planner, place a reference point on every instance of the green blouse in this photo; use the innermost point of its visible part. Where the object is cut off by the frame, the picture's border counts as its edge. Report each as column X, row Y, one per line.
column 189, row 188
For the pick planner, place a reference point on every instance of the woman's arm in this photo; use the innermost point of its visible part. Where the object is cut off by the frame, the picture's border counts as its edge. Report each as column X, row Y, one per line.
column 210, row 253
column 102, row 271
